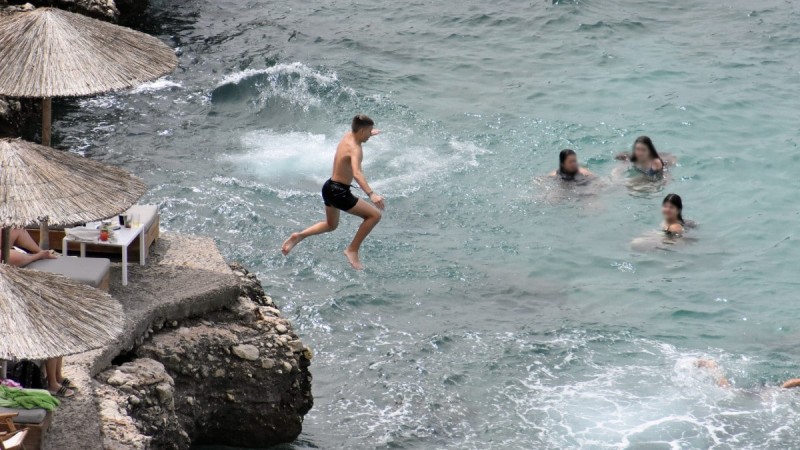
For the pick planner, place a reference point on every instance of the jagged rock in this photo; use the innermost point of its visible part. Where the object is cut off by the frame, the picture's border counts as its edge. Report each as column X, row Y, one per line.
column 150, row 420
column 251, row 364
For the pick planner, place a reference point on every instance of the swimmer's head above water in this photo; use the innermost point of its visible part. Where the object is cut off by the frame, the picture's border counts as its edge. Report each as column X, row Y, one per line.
column 568, row 167
column 672, row 209
column 643, row 150
column 568, row 164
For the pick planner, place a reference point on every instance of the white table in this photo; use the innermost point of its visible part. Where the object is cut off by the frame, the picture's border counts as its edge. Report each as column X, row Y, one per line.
column 119, row 238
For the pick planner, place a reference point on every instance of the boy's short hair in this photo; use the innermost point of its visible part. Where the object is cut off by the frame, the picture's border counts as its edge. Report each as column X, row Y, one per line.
column 360, row 121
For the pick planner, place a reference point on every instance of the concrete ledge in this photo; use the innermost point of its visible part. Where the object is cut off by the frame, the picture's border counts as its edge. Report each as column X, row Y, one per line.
column 185, row 276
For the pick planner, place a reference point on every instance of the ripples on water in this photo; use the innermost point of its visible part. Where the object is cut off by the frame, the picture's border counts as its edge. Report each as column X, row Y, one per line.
column 496, row 311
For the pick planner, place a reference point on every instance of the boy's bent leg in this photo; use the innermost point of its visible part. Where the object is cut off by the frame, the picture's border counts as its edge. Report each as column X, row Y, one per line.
column 371, row 217
column 330, row 223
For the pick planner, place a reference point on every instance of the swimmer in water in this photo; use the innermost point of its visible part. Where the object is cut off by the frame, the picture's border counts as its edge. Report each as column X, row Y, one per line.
column 671, row 229
column 569, row 169
column 713, row 369
column 671, row 209
column 337, row 196
column 645, row 158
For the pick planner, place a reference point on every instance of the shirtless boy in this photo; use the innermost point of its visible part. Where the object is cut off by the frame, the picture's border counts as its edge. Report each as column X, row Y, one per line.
column 337, row 196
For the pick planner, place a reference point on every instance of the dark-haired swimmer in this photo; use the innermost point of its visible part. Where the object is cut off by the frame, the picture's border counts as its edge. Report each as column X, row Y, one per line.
column 671, row 209
column 569, row 169
column 646, row 159
column 672, row 228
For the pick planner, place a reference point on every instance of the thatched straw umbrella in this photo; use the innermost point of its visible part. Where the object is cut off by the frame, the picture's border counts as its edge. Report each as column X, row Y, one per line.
column 41, row 185
column 48, row 52
column 46, row 316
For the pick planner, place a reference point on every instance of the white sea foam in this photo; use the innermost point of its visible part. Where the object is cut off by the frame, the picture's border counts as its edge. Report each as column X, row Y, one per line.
column 294, row 82
column 157, row 85
column 280, row 69
column 395, row 168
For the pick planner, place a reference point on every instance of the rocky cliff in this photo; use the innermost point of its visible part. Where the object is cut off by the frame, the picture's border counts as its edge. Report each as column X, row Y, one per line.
column 238, row 376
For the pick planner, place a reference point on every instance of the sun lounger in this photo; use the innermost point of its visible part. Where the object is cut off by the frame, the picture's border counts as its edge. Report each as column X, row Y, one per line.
column 92, row 271
column 34, row 421
column 148, row 216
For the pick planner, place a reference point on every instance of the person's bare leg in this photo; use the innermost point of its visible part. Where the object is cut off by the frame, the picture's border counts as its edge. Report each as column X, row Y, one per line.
column 51, row 368
column 59, row 367
column 371, row 217
column 21, row 238
column 330, row 223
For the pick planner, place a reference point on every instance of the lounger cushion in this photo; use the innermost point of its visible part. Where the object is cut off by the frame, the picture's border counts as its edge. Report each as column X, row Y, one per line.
column 147, row 214
column 26, row 416
column 89, row 271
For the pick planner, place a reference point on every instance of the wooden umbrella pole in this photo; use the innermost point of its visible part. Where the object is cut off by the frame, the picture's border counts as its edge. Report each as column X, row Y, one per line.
column 44, row 235
column 47, row 116
column 6, row 244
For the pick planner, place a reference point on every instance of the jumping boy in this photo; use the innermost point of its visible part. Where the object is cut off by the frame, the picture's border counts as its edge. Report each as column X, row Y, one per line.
column 337, row 196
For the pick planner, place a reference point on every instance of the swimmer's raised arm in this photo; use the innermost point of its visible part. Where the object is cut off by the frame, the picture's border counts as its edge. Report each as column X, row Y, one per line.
column 793, row 383
column 356, row 156
column 622, row 156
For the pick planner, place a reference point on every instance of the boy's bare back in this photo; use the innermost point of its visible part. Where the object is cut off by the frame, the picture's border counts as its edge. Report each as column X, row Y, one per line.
column 347, row 149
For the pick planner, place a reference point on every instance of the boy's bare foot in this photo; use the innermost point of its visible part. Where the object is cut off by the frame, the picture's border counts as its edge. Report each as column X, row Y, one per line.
column 353, row 258
column 289, row 244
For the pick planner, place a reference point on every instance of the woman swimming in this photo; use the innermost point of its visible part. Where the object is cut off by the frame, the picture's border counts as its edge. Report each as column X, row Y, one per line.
column 671, row 209
column 645, row 158
column 646, row 162
column 568, row 167
column 671, row 229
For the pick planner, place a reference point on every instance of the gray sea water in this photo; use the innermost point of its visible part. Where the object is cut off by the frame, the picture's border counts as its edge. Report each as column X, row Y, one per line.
column 497, row 311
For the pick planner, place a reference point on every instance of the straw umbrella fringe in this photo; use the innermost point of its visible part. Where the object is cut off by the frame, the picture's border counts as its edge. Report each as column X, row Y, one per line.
column 49, row 52
column 46, row 316
column 38, row 183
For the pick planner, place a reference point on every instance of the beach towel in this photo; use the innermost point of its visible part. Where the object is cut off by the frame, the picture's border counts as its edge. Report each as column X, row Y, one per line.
column 27, row 398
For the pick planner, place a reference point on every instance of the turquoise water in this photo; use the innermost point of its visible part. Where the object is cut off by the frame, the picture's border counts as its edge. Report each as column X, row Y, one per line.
column 496, row 311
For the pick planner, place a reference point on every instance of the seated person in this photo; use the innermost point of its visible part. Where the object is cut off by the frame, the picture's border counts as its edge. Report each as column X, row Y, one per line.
column 671, row 209
column 56, row 383
column 568, row 167
column 20, row 238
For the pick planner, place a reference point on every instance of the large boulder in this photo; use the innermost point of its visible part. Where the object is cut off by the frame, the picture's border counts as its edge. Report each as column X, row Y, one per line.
column 235, row 377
